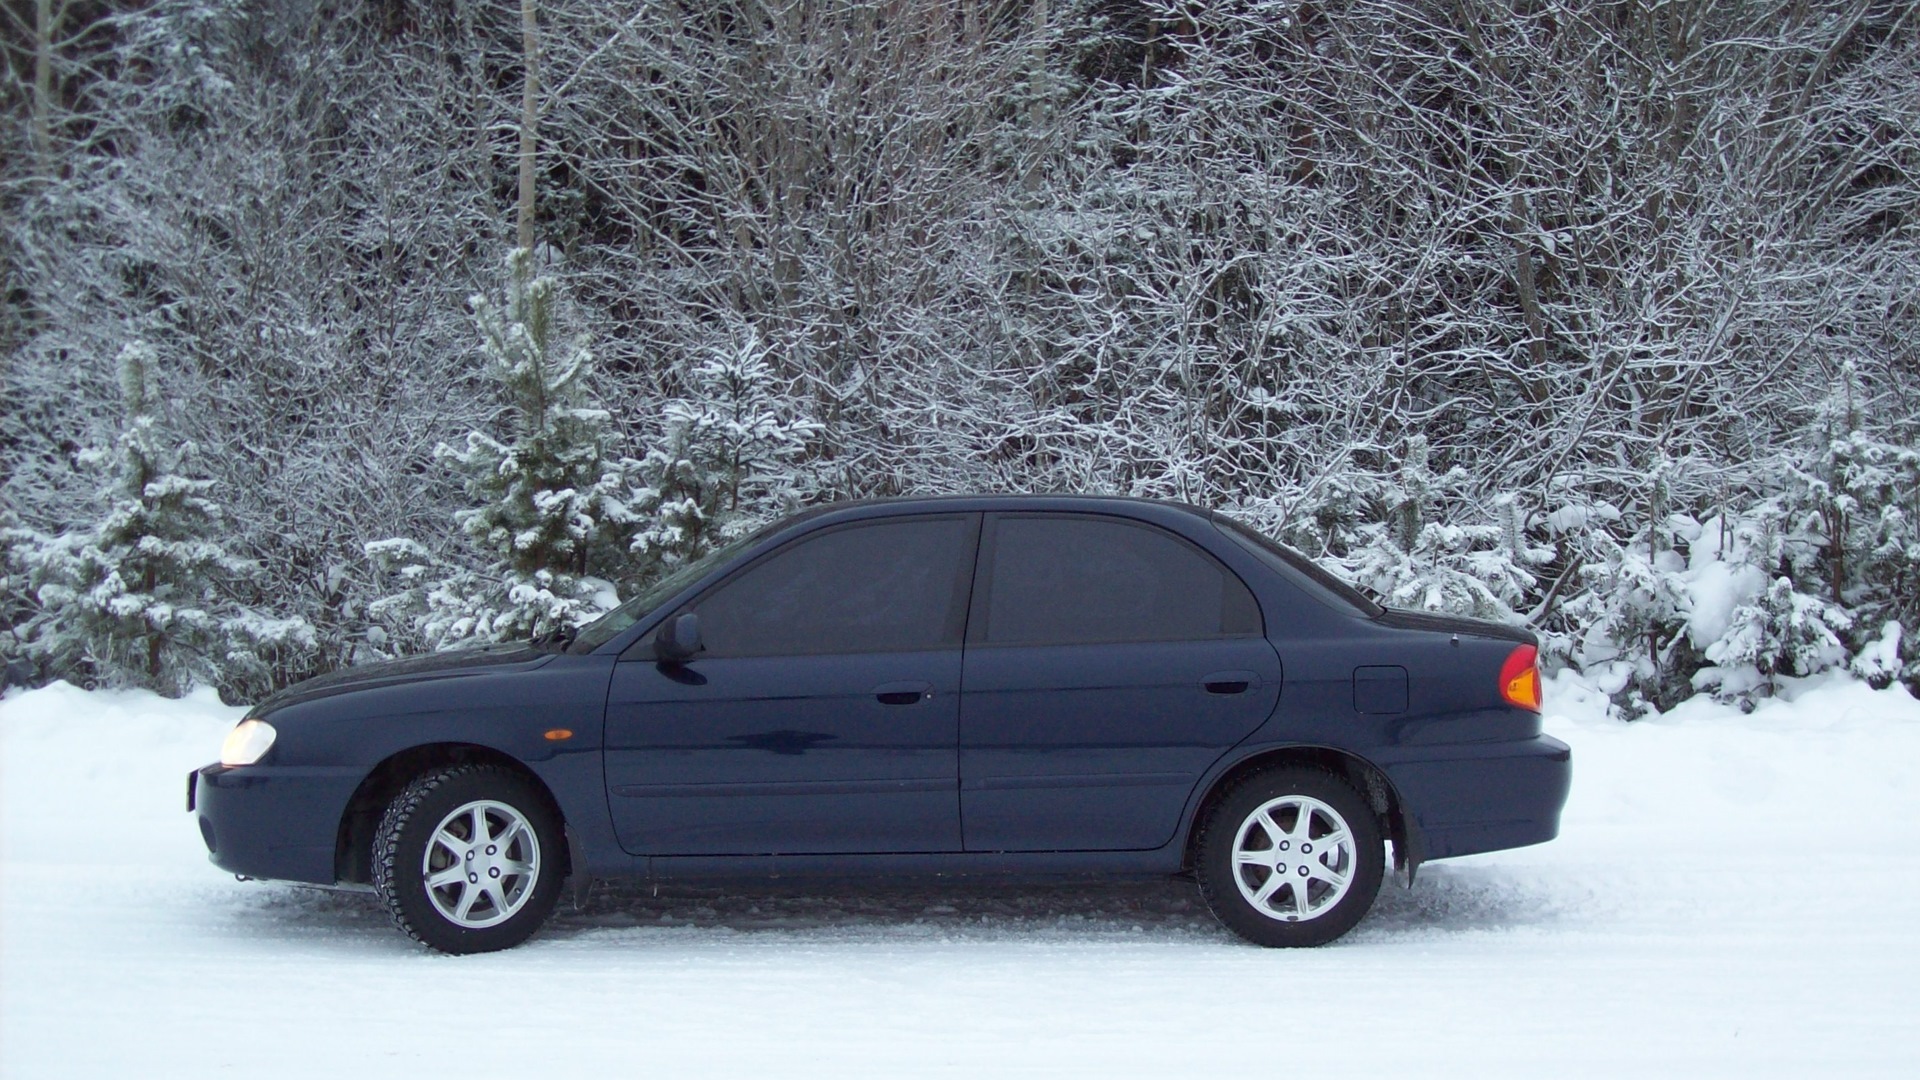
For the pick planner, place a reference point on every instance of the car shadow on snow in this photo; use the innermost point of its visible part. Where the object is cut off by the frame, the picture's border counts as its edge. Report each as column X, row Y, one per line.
column 1453, row 899
column 1446, row 900
column 308, row 914
column 946, row 911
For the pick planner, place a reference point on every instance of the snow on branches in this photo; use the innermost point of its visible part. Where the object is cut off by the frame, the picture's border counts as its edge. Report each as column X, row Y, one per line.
column 138, row 597
column 1593, row 318
column 547, row 499
column 725, row 461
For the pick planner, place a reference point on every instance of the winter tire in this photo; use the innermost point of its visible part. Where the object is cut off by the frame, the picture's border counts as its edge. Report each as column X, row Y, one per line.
column 1290, row 858
column 468, row 859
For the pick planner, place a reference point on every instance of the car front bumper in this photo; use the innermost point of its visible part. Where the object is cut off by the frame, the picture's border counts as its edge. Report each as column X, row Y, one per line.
column 265, row 822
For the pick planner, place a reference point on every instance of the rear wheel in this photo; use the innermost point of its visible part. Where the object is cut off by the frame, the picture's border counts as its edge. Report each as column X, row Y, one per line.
column 467, row 859
column 1290, row 857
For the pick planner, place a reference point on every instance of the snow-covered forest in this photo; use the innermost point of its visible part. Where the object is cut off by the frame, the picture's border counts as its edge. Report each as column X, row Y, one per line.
column 335, row 330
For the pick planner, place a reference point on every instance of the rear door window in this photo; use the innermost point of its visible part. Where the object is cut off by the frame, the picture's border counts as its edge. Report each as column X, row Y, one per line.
column 1082, row 579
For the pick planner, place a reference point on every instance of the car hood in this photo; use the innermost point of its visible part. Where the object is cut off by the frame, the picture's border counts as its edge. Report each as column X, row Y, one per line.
column 1403, row 619
column 438, row 665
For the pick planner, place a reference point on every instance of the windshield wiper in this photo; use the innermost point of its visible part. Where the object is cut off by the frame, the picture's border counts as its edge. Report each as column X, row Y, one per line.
column 556, row 639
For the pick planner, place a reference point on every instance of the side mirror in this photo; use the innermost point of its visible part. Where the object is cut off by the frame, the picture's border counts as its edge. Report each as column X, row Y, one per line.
column 678, row 639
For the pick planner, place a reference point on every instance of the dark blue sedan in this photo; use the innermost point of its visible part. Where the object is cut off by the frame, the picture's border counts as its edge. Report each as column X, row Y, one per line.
column 996, row 685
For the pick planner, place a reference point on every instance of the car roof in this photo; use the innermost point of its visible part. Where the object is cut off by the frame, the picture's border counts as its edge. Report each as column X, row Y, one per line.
column 883, row 506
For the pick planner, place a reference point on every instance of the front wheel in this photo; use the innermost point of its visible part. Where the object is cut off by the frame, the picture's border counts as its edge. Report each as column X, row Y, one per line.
column 1291, row 857
column 467, row 859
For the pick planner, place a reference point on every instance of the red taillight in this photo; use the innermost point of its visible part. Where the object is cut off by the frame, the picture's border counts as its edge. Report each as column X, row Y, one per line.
column 1520, row 679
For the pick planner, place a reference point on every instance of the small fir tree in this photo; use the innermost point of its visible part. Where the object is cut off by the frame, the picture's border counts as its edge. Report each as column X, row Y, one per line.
column 134, row 600
column 1409, row 561
column 725, row 460
column 1853, row 501
column 549, row 514
column 1782, row 631
column 1630, row 622
column 1775, row 627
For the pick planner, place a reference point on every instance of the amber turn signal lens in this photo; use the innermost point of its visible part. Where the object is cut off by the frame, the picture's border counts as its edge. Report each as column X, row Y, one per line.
column 1520, row 678
column 559, row 733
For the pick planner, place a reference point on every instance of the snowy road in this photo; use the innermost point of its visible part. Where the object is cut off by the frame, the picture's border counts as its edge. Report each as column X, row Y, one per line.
column 1731, row 895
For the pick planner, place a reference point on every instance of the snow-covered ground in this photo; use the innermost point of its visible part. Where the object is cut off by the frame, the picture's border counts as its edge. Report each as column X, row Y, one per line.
column 1731, row 895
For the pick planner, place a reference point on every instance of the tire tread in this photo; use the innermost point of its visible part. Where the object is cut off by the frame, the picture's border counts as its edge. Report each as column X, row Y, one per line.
column 388, row 876
column 1224, row 900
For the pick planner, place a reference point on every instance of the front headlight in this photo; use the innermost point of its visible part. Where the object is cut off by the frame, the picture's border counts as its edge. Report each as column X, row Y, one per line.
column 247, row 742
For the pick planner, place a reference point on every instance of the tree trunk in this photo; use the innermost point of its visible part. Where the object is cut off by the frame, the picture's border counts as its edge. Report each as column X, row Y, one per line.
column 1519, row 231
column 44, row 21
column 1036, row 102
column 529, row 117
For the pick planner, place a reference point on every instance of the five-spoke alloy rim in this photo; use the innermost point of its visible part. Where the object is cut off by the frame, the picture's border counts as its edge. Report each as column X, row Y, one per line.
column 1293, row 858
column 481, row 864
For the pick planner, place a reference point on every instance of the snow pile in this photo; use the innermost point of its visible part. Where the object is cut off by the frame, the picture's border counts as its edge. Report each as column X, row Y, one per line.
column 1731, row 895
column 99, row 778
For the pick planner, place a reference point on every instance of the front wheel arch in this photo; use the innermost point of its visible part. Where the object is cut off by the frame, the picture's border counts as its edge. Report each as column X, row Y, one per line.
column 353, row 840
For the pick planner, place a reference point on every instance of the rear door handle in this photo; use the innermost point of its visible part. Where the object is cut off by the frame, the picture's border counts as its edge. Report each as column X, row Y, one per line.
column 903, row 693
column 1230, row 682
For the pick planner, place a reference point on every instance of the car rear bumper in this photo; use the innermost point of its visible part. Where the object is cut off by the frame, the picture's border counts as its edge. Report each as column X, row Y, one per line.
column 265, row 822
column 1471, row 798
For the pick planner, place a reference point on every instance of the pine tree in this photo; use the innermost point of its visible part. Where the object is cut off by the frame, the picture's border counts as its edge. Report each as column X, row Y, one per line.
column 548, row 514
column 1852, row 505
column 1782, row 631
column 1863, row 490
column 1480, row 569
column 133, row 600
column 1775, row 625
column 724, row 462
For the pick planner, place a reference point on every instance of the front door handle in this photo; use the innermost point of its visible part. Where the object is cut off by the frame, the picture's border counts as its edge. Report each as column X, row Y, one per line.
column 1230, row 682
column 903, row 693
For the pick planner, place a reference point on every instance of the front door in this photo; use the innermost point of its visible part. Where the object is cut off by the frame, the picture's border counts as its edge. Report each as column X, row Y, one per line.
column 1109, row 663
column 822, row 715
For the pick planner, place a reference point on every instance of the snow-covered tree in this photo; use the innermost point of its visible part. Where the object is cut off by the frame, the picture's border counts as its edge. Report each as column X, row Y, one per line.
column 1748, row 617
column 1854, row 497
column 724, row 462
column 1781, row 631
column 1621, row 606
column 135, row 599
column 549, row 514
column 1476, row 568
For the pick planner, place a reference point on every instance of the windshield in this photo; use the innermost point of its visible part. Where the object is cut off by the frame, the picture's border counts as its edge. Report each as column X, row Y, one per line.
column 1306, row 573
column 639, row 605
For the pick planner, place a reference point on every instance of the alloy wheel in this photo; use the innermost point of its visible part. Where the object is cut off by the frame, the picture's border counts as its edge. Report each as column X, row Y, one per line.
column 481, row 864
column 1293, row 858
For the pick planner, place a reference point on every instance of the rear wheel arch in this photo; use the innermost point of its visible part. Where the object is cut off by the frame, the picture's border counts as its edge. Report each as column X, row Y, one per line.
column 353, row 841
column 1365, row 777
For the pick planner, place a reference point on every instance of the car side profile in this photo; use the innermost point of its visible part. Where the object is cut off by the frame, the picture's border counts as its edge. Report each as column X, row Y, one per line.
column 976, row 685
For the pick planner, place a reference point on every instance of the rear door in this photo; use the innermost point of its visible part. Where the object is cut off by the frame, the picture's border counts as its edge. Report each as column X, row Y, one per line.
column 821, row 717
column 1109, row 663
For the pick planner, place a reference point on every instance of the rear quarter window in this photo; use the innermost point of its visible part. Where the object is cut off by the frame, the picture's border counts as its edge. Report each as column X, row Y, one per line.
column 1312, row 578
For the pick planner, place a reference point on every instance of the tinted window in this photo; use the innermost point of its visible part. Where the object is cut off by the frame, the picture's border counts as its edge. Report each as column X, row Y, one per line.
column 638, row 606
column 1069, row 580
column 1299, row 569
column 883, row 587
